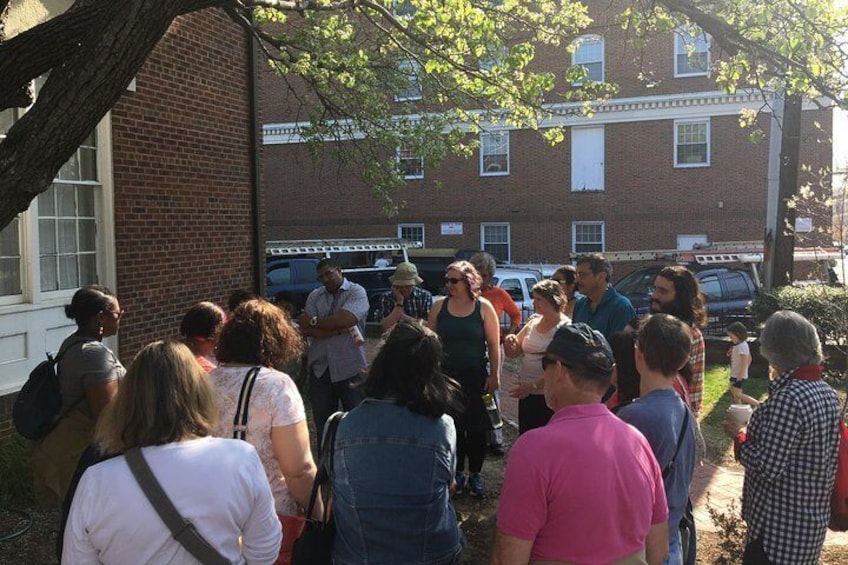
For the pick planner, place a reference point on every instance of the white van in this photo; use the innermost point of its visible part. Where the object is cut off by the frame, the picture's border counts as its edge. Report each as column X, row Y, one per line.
column 518, row 283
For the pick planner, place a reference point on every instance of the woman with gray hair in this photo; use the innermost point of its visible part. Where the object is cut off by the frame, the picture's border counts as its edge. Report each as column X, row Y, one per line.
column 789, row 449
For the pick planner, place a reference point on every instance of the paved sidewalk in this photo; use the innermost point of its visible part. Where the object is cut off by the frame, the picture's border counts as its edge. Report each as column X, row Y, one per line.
column 722, row 485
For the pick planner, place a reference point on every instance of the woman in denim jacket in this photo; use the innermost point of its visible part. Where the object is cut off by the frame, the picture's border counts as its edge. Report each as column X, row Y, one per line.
column 395, row 457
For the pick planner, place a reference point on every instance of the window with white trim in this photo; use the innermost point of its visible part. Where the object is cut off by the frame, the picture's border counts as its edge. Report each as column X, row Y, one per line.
column 51, row 249
column 410, row 164
column 691, row 52
column 494, row 154
column 409, row 84
column 587, row 237
column 494, row 239
column 589, row 53
column 692, row 143
column 411, row 232
column 587, row 158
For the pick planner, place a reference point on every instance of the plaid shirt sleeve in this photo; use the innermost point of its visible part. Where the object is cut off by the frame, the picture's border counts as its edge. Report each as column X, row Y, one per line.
column 385, row 303
column 696, row 364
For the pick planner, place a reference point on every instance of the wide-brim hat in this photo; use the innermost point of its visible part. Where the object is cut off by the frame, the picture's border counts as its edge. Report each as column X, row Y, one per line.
column 406, row 274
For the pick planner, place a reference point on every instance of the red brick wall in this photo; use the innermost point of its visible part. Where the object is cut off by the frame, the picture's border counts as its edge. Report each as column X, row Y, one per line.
column 182, row 166
column 646, row 204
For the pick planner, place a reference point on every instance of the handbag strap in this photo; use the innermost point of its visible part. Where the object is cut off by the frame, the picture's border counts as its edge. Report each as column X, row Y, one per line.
column 668, row 468
column 240, row 418
column 325, row 464
column 181, row 529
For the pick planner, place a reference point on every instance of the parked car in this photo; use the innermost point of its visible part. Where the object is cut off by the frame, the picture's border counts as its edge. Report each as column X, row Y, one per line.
column 728, row 294
column 519, row 285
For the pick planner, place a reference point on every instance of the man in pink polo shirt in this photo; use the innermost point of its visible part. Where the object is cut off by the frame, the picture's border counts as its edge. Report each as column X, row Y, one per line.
column 586, row 488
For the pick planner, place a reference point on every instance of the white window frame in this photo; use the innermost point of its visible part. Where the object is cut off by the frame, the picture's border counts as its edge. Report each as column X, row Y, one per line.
column 504, row 141
column 575, row 55
column 508, row 242
column 708, row 161
column 574, row 242
column 401, row 227
column 413, row 70
column 576, row 163
column 694, row 36
column 401, row 158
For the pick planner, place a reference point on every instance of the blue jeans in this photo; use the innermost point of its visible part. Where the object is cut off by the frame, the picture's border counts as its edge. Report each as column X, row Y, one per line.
column 325, row 395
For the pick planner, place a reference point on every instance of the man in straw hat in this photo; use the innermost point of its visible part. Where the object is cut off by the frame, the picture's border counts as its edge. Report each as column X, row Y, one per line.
column 405, row 300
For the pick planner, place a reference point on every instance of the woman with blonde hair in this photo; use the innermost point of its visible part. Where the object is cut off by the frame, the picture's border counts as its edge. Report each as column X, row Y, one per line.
column 166, row 408
column 532, row 341
column 470, row 332
column 259, row 338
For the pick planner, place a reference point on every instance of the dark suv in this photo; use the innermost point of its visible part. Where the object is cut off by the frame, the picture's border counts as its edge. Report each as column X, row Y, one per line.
column 728, row 292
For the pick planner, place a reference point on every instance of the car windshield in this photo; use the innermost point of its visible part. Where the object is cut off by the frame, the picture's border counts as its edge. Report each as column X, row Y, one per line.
column 636, row 283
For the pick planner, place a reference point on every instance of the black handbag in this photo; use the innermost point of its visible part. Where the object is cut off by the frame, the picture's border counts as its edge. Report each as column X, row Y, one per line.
column 315, row 544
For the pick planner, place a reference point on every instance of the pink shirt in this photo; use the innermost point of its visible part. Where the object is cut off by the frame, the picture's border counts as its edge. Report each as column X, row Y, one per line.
column 585, row 488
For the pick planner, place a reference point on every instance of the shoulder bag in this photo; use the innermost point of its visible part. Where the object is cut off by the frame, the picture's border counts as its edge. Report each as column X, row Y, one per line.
column 315, row 544
column 181, row 529
column 686, row 527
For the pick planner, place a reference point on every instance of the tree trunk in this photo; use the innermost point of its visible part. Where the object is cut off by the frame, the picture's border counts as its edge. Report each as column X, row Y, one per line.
column 782, row 263
column 79, row 91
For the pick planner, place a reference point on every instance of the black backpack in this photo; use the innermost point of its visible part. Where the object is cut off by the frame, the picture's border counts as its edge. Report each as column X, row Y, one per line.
column 39, row 402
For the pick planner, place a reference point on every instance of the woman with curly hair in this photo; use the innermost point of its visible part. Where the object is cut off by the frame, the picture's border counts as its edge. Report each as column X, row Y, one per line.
column 165, row 408
column 470, row 331
column 259, row 334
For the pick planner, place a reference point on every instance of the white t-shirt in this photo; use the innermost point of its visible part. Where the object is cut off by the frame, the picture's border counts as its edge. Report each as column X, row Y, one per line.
column 738, row 365
column 275, row 401
column 217, row 484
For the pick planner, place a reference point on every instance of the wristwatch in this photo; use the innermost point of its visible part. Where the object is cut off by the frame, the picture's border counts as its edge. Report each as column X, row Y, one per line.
column 313, row 321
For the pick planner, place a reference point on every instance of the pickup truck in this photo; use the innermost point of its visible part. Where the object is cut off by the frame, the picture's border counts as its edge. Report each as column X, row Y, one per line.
column 291, row 267
column 289, row 281
column 728, row 294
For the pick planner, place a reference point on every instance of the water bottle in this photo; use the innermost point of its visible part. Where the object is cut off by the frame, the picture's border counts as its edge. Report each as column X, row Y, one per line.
column 356, row 335
column 492, row 411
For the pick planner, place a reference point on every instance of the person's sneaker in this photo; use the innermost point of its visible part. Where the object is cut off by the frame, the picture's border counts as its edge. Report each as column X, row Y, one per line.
column 475, row 485
column 461, row 483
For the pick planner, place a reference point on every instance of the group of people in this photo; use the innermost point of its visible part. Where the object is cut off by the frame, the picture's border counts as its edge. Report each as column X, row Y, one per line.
column 599, row 474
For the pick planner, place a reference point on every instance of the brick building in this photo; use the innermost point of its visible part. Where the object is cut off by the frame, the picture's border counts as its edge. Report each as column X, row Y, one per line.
column 663, row 165
column 158, row 204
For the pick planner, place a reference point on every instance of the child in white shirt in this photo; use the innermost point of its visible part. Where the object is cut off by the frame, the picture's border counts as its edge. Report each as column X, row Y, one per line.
column 740, row 360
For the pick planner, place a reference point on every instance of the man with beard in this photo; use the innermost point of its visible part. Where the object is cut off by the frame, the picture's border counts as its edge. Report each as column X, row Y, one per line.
column 601, row 306
column 677, row 292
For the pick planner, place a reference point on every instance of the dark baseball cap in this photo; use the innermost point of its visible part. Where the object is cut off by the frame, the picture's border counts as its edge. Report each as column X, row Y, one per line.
column 579, row 344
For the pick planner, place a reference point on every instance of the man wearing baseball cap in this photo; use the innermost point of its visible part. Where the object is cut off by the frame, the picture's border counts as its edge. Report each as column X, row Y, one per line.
column 405, row 300
column 586, row 487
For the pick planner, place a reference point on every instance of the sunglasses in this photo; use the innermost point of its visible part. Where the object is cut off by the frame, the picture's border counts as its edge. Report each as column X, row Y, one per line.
column 449, row 280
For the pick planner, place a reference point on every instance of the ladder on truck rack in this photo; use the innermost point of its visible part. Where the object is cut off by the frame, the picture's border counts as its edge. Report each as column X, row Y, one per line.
column 717, row 253
column 328, row 246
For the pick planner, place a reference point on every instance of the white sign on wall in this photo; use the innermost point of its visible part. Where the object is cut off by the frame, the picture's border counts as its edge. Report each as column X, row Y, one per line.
column 803, row 225
column 452, row 228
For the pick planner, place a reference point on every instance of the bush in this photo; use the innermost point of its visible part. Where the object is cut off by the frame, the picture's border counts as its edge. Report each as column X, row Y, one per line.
column 731, row 531
column 826, row 307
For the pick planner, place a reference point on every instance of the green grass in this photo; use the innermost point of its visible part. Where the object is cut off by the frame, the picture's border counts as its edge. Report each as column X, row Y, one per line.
column 717, row 399
column 16, row 483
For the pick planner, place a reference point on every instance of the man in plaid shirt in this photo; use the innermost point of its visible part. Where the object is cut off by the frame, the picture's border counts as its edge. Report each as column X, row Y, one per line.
column 677, row 292
column 789, row 449
column 405, row 300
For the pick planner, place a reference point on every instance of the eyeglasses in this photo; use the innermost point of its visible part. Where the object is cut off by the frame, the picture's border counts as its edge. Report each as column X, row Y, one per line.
column 118, row 315
column 547, row 362
column 450, row 280
column 581, row 274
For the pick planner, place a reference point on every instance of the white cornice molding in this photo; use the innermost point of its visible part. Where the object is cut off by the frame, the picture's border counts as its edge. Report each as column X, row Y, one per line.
column 616, row 110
